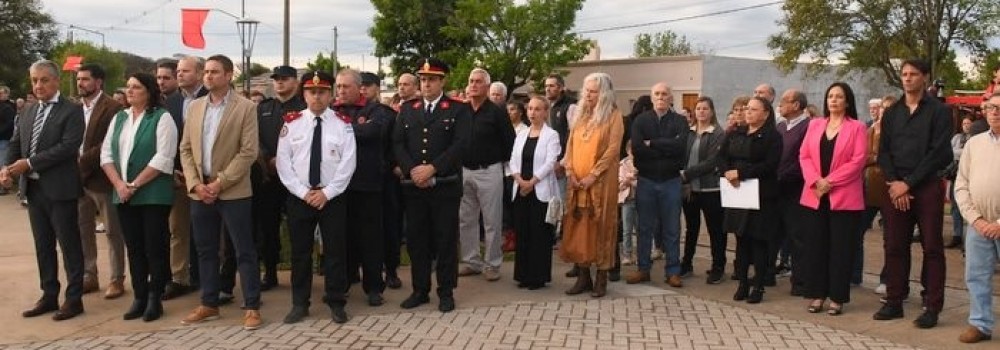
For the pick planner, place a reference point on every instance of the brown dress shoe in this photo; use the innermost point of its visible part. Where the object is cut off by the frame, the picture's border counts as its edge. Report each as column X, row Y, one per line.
column 115, row 289
column 200, row 314
column 68, row 310
column 41, row 307
column 973, row 335
column 675, row 281
column 252, row 320
column 637, row 276
column 90, row 285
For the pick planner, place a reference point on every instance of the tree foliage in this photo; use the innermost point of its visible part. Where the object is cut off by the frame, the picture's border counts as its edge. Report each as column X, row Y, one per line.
column 516, row 43
column 323, row 63
column 26, row 35
column 409, row 30
column 665, row 43
column 879, row 33
column 111, row 61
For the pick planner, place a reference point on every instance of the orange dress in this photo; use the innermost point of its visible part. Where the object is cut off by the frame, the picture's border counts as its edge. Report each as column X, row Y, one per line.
column 591, row 217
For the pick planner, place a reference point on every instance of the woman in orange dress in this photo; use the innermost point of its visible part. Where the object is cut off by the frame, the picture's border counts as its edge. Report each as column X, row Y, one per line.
column 591, row 217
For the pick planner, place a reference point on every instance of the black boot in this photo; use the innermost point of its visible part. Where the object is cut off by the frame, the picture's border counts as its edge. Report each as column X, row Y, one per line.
column 136, row 310
column 154, row 308
column 756, row 295
column 742, row 291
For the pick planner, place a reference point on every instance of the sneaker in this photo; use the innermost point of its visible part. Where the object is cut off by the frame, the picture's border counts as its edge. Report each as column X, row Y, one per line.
column 100, row 228
column 973, row 335
column 783, row 271
column 928, row 319
column 251, row 320
column 201, row 314
column 880, row 289
column 491, row 275
column 468, row 271
column 627, row 262
column 714, row 277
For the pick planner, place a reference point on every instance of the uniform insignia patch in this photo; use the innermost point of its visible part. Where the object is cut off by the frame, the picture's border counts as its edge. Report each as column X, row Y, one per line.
column 284, row 131
column 291, row 116
column 362, row 120
column 445, row 104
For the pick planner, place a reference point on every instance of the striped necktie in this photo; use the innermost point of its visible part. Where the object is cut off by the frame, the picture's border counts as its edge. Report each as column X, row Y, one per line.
column 36, row 128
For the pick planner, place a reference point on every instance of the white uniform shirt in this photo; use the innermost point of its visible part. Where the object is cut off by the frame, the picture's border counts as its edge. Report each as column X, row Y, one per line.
column 338, row 160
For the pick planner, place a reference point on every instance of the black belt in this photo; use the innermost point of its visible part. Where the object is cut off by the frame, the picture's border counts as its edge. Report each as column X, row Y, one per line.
column 478, row 166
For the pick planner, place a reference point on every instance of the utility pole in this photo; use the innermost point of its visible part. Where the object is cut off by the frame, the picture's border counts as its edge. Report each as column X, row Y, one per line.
column 286, row 34
column 333, row 56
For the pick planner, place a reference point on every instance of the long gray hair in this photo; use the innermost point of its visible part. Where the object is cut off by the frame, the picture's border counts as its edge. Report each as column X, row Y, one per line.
column 600, row 113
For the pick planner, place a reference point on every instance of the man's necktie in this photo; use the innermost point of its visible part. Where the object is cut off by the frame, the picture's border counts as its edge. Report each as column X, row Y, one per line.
column 316, row 153
column 36, row 128
column 428, row 111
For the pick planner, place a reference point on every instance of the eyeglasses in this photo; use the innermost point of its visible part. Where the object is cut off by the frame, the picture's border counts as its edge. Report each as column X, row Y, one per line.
column 989, row 107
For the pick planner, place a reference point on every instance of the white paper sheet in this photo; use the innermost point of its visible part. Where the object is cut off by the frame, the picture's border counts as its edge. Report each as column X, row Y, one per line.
column 747, row 196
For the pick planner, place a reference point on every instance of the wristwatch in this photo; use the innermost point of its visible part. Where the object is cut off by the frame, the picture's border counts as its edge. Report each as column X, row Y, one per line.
column 131, row 185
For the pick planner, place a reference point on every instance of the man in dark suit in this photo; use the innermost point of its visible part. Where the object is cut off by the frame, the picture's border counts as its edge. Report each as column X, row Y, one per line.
column 183, row 269
column 45, row 150
column 428, row 140
column 98, row 111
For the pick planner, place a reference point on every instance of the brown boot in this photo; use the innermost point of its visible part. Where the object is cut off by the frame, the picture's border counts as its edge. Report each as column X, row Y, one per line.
column 600, row 284
column 583, row 281
column 637, row 276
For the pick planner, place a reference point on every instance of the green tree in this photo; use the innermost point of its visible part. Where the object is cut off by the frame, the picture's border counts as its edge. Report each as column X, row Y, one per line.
column 985, row 67
column 409, row 30
column 877, row 34
column 323, row 63
column 517, row 44
column 665, row 43
column 111, row 61
column 26, row 35
column 255, row 70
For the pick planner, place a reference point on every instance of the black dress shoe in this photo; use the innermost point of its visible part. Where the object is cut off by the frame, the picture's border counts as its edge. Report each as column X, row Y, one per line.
column 268, row 282
column 392, row 281
column 68, row 310
column 522, row 285
column 755, row 296
column 615, row 275
column 536, row 286
column 798, row 291
column 174, row 290
column 225, row 298
column 41, row 307
column 928, row 320
column 375, row 299
column 741, row 292
column 414, row 300
column 136, row 310
column 296, row 314
column 154, row 309
column 338, row 314
column 447, row 304
column 888, row 312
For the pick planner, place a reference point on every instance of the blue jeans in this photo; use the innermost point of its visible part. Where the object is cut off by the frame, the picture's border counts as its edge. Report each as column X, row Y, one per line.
column 958, row 224
column 659, row 209
column 206, row 223
column 3, row 151
column 629, row 225
column 981, row 256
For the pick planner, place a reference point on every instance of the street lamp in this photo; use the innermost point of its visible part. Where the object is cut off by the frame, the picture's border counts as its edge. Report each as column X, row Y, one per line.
column 248, row 34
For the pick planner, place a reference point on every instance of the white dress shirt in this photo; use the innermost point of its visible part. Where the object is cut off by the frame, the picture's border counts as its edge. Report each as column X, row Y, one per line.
column 210, row 129
column 166, row 143
column 294, row 149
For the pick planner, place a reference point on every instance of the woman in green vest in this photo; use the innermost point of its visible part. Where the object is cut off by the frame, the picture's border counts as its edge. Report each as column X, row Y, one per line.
column 138, row 157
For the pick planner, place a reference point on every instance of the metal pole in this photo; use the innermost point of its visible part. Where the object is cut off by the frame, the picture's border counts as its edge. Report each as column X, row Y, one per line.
column 286, row 34
column 336, row 61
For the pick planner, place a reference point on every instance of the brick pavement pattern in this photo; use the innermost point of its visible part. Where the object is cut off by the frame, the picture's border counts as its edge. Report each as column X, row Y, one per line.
column 666, row 320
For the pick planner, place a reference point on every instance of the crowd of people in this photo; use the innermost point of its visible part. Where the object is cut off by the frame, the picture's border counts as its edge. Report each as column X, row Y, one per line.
column 193, row 180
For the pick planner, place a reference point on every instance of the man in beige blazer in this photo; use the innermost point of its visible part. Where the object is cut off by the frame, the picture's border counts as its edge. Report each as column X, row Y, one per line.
column 217, row 149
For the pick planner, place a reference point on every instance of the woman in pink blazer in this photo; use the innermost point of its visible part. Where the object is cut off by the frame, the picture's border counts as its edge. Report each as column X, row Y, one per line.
column 832, row 157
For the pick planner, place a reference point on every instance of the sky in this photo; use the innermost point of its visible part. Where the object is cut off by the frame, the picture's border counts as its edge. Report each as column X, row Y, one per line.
column 151, row 28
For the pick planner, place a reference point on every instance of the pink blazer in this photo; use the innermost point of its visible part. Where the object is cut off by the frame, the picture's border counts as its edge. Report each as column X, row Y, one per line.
column 846, row 168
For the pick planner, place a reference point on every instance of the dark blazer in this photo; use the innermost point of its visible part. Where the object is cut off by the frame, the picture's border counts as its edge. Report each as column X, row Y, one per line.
column 437, row 140
column 175, row 106
column 91, row 173
column 58, row 148
column 706, row 168
column 754, row 156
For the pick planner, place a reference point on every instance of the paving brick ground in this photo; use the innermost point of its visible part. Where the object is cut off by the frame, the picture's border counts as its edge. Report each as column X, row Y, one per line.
column 666, row 320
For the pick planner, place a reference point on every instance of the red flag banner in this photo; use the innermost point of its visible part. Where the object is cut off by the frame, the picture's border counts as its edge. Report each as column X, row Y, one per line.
column 191, row 23
column 72, row 63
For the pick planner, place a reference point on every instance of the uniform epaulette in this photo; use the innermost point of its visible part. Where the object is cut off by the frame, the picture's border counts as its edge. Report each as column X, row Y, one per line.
column 292, row 116
column 344, row 117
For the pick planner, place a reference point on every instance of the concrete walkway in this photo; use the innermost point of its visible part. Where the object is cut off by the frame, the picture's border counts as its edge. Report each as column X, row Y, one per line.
column 490, row 315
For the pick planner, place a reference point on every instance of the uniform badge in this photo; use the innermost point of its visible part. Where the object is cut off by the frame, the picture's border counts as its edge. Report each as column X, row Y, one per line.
column 284, row 131
column 291, row 116
column 444, row 104
column 416, row 105
column 427, row 65
column 362, row 120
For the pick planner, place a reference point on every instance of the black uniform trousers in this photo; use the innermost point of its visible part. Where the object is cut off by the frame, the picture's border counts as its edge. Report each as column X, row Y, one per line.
column 302, row 222
column 432, row 239
column 365, row 237
column 268, row 206
column 147, row 240
column 53, row 221
column 392, row 222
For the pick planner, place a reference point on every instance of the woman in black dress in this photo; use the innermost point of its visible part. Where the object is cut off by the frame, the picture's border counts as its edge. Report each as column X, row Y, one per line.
column 531, row 165
column 752, row 151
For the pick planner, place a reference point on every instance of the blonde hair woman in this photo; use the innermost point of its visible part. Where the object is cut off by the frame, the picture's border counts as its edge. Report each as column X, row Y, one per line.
column 589, row 224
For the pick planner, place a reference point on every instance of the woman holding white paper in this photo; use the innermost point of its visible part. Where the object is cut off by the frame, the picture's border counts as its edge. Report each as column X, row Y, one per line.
column 832, row 157
column 752, row 151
